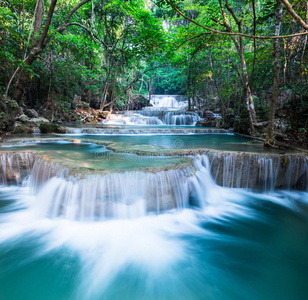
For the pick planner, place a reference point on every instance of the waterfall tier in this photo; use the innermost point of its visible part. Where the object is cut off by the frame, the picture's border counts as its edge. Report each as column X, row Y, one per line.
column 154, row 117
column 258, row 171
column 15, row 167
column 168, row 101
column 135, row 193
column 238, row 170
column 125, row 195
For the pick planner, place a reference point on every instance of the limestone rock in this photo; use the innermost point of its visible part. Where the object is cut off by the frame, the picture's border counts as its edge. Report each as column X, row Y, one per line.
column 23, row 118
column 31, row 113
column 37, row 121
column 19, row 128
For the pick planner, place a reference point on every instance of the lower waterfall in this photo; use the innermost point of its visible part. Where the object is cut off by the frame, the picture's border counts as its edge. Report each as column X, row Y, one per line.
column 122, row 235
column 134, row 194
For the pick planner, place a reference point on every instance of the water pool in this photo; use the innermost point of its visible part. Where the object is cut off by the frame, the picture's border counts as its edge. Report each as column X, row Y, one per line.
column 241, row 246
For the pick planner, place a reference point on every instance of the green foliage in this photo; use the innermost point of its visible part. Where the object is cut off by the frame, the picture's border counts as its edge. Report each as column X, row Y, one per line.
column 137, row 47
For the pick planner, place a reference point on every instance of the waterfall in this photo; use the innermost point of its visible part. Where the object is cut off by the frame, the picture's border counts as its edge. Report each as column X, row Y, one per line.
column 137, row 193
column 264, row 172
column 125, row 195
column 134, row 193
column 129, row 118
column 15, row 167
column 44, row 170
column 154, row 117
column 168, row 101
column 165, row 110
column 174, row 118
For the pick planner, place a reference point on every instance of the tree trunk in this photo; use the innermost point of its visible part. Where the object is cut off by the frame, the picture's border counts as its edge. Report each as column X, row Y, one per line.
column 35, row 51
column 239, row 45
column 188, row 88
column 37, row 22
column 271, row 120
column 23, row 79
column 250, row 105
column 41, row 44
column 50, row 92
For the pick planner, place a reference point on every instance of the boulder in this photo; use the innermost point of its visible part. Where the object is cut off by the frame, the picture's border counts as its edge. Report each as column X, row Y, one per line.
column 206, row 123
column 49, row 128
column 20, row 128
column 8, row 112
column 36, row 121
column 31, row 113
column 23, row 118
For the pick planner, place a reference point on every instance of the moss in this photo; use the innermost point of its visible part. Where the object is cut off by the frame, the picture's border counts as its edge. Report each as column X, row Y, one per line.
column 49, row 128
column 20, row 129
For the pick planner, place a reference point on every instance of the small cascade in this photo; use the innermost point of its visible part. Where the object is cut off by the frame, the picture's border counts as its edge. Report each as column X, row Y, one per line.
column 168, row 101
column 261, row 172
column 188, row 118
column 131, row 119
column 44, row 170
column 154, row 117
column 126, row 195
column 15, row 167
column 174, row 117
column 165, row 110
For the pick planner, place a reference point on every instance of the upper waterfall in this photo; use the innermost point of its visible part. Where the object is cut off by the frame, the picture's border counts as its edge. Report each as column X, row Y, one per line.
column 165, row 110
column 168, row 101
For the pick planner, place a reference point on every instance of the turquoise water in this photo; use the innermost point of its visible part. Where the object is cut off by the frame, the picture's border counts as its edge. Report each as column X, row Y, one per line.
column 109, row 126
column 241, row 246
column 93, row 156
column 226, row 142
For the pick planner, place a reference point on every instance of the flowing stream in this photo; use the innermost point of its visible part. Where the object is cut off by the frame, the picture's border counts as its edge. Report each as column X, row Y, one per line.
column 97, row 218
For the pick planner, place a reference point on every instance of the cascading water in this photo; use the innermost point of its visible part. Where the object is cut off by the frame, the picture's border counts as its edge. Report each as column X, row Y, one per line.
column 142, row 235
column 174, row 118
column 166, row 110
column 154, row 117
column 14, row 167
column 125, row 195
column 131, row 119
column 167, row 102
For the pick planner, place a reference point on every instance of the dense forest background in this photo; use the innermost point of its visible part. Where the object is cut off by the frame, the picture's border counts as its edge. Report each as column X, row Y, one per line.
column 56, row 56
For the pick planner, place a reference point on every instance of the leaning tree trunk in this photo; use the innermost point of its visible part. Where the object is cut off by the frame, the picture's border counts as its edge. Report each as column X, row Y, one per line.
column 35, row 51
column 271, row 120
column 239, row 45
column 40, row 43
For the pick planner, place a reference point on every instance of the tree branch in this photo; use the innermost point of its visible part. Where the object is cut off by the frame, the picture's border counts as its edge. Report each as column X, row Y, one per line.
column 89, row 31
column 297, row 18
column 234, row 33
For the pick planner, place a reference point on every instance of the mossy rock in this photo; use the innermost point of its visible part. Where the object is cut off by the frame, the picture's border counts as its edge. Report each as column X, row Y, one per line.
column 49, row 128
column 8, row 111
column 20, row 129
